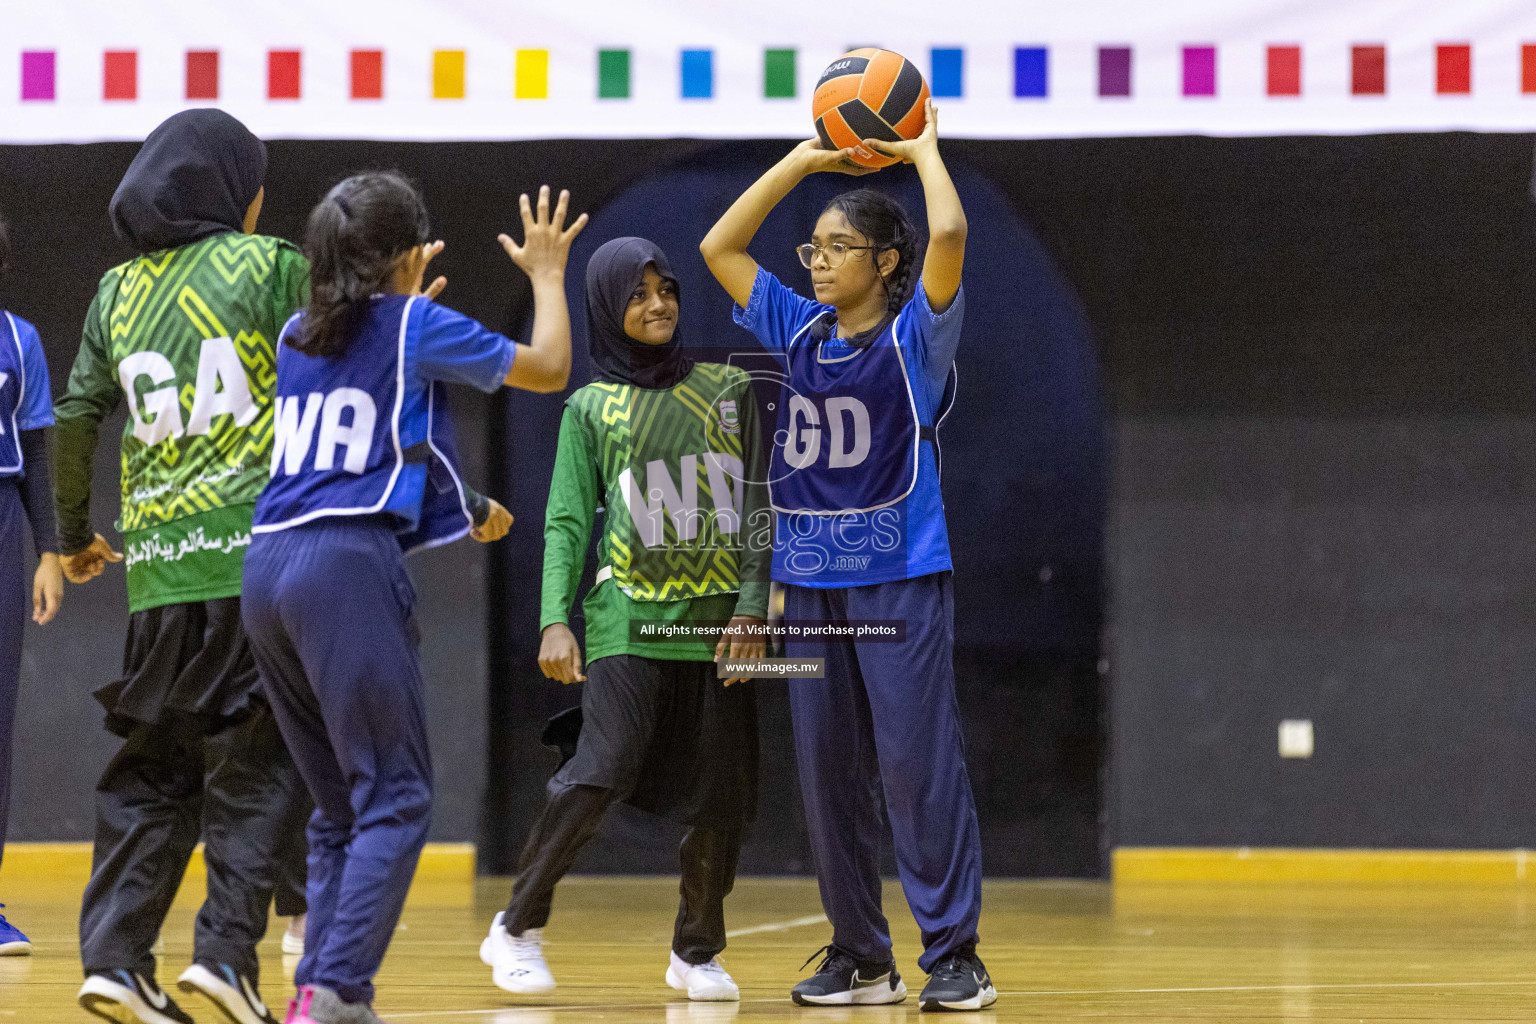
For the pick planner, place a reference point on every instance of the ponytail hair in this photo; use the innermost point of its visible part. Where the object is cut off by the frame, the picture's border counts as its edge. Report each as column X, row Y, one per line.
column 884, row 222
column 353, row 240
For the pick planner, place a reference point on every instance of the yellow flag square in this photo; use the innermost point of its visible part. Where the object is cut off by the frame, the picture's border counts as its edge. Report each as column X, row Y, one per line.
column 448, row 74
column 531, row 80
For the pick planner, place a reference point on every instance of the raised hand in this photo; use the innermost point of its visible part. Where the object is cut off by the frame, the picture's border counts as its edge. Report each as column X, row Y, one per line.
column 546, row 239
column 908, row 151
column 434, row 289
column 84, row 566
column 812, row 158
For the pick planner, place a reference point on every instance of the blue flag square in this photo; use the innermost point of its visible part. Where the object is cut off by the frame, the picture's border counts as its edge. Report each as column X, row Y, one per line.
column 1031, row 67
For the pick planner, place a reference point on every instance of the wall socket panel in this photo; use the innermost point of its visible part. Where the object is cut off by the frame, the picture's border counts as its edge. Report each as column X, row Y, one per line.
column 1296, row 737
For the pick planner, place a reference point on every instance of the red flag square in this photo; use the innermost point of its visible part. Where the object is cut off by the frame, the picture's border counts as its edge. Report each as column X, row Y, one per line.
column 1369, row 70
column 202, row 74
column 367, row 74
column 1528, row 68
column 120, row 75
column 1453, row 69
column 1284, row 71
column 283, row 72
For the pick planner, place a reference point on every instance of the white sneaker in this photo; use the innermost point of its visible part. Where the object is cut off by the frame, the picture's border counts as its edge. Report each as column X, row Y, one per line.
column 293, row 938
column 704, row 983
column 517, row 961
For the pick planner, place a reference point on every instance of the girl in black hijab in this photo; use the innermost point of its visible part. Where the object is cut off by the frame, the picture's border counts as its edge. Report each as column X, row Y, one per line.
column 198, row 174
column 668, row 447
column 198, row 310
column 615, row 272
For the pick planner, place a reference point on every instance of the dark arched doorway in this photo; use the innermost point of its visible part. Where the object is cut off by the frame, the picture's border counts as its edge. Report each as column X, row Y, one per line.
column 1024, row 483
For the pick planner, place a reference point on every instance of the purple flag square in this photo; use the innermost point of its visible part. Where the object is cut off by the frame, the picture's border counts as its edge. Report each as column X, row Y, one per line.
column 1199, row 71
column 37, row 74
column 1114, row 71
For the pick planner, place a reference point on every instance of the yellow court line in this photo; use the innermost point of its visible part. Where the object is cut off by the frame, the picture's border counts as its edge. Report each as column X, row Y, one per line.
column 1282, row 864
column 42, row 862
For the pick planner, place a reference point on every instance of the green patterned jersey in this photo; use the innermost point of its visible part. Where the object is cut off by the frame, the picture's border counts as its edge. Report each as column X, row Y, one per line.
column 677, row 475
column 187, row 336
column 673, row 478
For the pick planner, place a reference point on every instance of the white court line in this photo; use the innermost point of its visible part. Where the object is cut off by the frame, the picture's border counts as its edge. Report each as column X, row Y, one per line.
column 778, row 926
column 513, row 1012
column 1267, row 988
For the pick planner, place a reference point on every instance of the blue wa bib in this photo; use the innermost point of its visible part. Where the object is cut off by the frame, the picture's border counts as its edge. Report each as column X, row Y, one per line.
column 361, row 434
column 13, row 390
column 848, row 428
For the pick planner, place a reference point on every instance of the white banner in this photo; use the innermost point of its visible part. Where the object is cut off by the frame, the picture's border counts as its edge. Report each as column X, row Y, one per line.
column 87, row 70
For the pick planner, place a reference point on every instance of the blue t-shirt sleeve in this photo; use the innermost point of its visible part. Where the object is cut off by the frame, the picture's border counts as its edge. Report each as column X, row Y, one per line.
column 453, row 348
column 36, row 409
column 774, row 313
column 933, row 337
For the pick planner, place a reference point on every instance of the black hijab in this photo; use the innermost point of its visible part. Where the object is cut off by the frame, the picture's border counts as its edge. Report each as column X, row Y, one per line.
column 195, row 176
column 613, row 272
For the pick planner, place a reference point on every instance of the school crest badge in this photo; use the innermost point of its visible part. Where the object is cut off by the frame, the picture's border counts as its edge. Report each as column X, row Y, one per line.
column 728, row 420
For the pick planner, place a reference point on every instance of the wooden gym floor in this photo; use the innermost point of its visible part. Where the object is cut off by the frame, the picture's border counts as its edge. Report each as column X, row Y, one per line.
column 1059, row 951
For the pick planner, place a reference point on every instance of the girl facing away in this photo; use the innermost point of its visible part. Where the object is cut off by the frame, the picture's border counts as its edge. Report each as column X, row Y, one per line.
column 861, row 535
column 669, row 448
column 184, row 335
column 364, row 472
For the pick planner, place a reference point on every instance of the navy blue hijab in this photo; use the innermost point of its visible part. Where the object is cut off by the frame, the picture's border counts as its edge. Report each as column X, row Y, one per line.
column 613, row 273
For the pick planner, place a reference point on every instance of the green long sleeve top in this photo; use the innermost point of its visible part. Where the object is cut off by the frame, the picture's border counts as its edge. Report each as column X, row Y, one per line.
column 188, row 336
column 687, row 532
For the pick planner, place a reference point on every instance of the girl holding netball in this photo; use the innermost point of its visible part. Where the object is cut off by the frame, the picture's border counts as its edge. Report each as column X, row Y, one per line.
column 363, row 472
column 861, row 535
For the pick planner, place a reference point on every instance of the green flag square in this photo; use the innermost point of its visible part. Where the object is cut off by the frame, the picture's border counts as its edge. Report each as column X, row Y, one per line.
column 779, row 74
column 613, row 74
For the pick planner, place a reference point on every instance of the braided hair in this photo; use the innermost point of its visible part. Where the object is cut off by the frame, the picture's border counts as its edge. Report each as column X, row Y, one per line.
column 353, row 240
column 881, row 220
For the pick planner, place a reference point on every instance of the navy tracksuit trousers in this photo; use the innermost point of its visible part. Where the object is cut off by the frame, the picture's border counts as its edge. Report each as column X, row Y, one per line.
column 885, row 720
column 328, row 610
column 14, row 592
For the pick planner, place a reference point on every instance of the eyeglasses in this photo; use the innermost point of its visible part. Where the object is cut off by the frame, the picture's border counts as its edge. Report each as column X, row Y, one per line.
column 835, row 254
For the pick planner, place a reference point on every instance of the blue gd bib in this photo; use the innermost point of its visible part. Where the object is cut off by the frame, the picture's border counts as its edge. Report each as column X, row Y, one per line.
column 848, row 428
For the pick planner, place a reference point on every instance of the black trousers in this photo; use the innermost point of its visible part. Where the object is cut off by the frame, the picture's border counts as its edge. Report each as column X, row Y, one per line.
column 668, row 737
column 168, row 784
column 289, row 899
column 571, row 817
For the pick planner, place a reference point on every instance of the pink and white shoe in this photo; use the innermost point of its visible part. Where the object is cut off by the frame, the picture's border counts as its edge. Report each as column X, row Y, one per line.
column 298, row 1006
column 316, row 1004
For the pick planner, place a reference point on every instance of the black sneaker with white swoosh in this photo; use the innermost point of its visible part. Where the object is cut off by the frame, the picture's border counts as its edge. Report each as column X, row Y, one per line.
column 958, row 982
column 129, row 998
column 231, row 993
column 842, row 980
